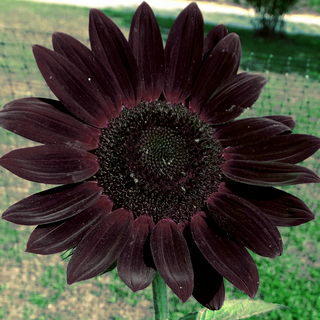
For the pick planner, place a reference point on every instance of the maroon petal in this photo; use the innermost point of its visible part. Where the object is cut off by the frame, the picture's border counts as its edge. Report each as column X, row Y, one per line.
column 212, row 38
column 54, row 164
column 172, row 259
column 71, row 86
column 92, row 68
column 53, row 205
column 42, row 120
column 183, row 54
column 290, row 148
column 286, row 120
column 282, row 208
column 112, row 48
column 134, row 267
column 268, row 173
column 146, row 43
column 230, row 259
column 64, row 235
column 230, row 100
column 222, row 63
column 245, row 223
column 100, row 246
column 208, row 283
column 249, row 131
column 208, row 288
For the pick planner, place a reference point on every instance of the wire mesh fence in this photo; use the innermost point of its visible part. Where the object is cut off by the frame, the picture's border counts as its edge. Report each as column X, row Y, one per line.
column 292, row 91
column 295, row 93
column 283, row 64
column 19, row 75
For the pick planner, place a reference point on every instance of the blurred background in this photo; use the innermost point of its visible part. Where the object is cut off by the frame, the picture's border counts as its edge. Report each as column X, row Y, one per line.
column 280, row 39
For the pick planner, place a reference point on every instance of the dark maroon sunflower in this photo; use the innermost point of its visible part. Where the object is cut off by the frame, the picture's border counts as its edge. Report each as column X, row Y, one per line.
column 156, row 174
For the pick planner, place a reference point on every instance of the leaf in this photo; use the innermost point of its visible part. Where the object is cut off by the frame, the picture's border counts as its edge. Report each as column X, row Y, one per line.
column 238, row 309
column 190, row 316
column 114, row 264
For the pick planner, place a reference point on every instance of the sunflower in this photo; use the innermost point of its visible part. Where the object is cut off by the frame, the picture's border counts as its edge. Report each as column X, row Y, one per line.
column 154, row 171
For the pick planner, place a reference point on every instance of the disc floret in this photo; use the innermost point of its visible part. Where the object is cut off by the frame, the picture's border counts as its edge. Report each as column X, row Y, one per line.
column 160, row 160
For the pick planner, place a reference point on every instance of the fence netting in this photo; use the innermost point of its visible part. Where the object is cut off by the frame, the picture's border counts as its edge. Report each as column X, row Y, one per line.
column 293, row 91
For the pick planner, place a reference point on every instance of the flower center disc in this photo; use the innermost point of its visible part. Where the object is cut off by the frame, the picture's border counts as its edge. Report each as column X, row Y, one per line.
column 163, row 152
column 159, row 160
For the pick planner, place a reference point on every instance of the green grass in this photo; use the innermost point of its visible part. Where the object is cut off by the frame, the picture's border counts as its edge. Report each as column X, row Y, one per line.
column 34, row 287
column 314, row 4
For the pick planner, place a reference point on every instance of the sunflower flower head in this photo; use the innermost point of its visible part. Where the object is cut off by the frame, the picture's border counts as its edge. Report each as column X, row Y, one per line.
column 154, row 171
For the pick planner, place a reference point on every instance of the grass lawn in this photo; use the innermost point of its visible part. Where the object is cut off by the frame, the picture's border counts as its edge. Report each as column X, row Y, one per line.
column 34, row 287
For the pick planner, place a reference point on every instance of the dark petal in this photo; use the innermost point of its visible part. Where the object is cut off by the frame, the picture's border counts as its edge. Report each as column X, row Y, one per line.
column 72, row 87
column 245, row 223
column 64, row 235
column 282, row 208
column 54, row 204
column 212, row 38
column 268, row 173
column 172, row 259
column 53, row 164
column 112, row 48
column 232, row 98
column 183, row 54
column 100, row 246
column 222, row 63
column 208, row 283
column 230, row 259
column 286, row 120
column 146, row 43
column 208, row 288
column 290, row 148
column 92, row 68
column 249, row 131
column 134, row 269
column 42, row 121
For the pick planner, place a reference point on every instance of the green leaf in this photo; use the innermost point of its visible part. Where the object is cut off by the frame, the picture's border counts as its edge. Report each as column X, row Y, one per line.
column 238, row 309
column 114, row 264
column 190, row 316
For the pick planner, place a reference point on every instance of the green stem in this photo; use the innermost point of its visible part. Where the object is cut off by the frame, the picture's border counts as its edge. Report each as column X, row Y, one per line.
column 159, row 289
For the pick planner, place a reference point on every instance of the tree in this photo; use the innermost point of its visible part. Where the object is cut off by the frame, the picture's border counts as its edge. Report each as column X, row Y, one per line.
column 270, row 15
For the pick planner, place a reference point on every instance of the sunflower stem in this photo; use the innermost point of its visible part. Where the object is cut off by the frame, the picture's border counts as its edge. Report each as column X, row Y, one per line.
column 160, row 303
